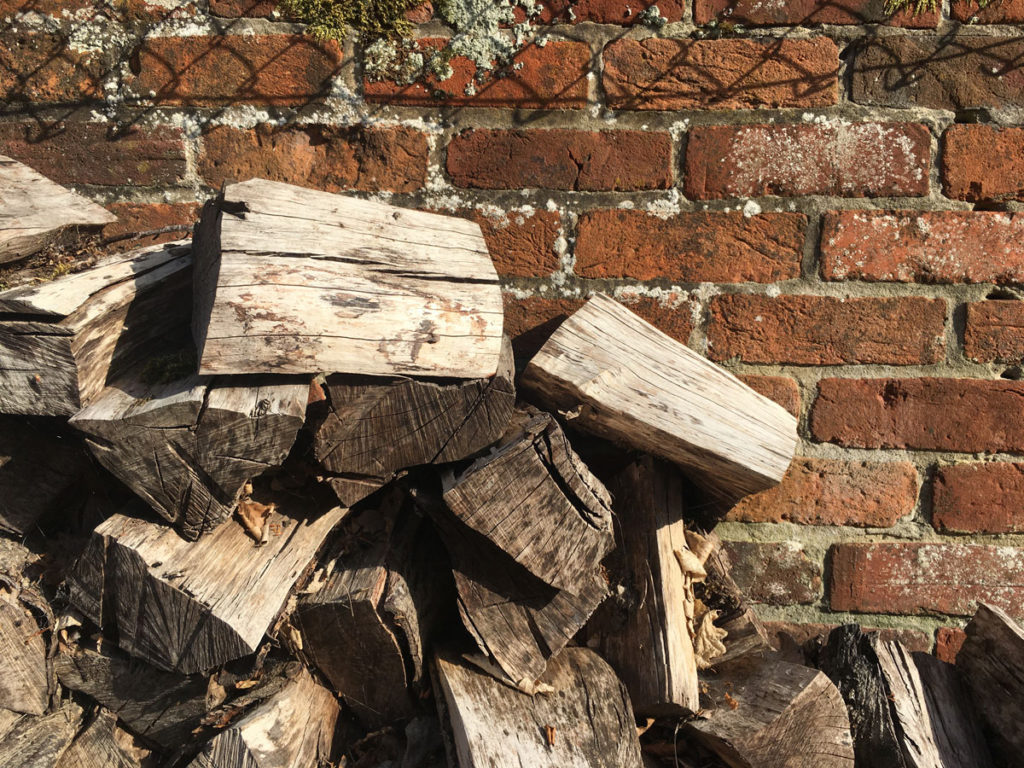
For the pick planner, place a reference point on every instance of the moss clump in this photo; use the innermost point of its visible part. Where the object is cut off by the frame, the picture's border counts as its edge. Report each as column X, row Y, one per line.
column 332, row 19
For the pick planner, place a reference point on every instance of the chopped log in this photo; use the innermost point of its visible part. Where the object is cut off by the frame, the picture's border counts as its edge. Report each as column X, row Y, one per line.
column 536, row 501
column 291, row 280
column 35, row 211
column 38, row 742
column 27, row 682
column 619, row 377
column 646, row 633
column 992, row 662
column 588, row 721
column 292, row 729
column 96, row 746
column 772, row 714
column 189, row 446
column 60, row 342
column 189, row 606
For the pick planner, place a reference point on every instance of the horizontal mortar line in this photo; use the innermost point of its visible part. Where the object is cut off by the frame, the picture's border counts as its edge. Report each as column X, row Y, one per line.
column 805, row 614
column 819, row 539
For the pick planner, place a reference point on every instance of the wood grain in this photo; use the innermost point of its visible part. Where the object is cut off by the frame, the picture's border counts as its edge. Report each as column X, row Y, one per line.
column 95, row 746
column 39, row 742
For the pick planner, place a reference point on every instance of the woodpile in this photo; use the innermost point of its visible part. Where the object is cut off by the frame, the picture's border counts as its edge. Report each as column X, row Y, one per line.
column 274, row 502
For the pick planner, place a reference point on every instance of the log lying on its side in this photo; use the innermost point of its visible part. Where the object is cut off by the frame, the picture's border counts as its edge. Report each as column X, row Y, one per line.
column 39, row 742
column 96, row 746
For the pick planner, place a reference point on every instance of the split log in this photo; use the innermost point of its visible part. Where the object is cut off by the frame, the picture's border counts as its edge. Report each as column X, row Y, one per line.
column 534, row 498
column 27, row 683
column 35, row 211
column 60, row 342
column 291, row 280
column 190, row 606
column 96, row 746
column 38, row 742
column 588, row 721
column 619, row 377
column 377, row 426
column 189, row 446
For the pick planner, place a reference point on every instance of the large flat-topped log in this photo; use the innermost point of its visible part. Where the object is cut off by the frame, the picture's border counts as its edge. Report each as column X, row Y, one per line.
column 35, row 211
column 616, row 375
column 291, row 280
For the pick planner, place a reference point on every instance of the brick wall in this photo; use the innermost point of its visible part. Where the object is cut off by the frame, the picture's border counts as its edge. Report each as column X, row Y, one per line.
column 825, row 200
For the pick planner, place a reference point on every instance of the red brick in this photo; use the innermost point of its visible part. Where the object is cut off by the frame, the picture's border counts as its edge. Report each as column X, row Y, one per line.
column 133, row 218
column 776, row 573
column 234, row 9
column 690, row 247
column 551, row 77
column 671, row 316
column 914, row 578
column 573, row 160
column 983, row 163
column 87, row 153
column 968, row 415
column 823, row 330
column 995, row 331
column 623, row 12
column 947, row 72
column 830, row 492
column 44, row 7
column 522, row 245
column 949, row 640
column 667, row 74
column 979, row 498
column 780, row 389
column 858, row 160
column 530, row 321
column 233, row 69
column 1000, row 12
column 325, row 157
column 754, row 13
column 923, row 246
column 38, row 67
column 781, row 631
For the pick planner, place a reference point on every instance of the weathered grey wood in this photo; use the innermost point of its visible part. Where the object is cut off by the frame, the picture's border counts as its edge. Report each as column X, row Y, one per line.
column 189, row 606
column 291, row 280
column 95, row 746
column 377, row 426
column 39, row 742
column 587, row 722
column 35, row 211
column 616, row 375
column 187, row 447
column 60, row 342
column 536, row 500
column 26, row 669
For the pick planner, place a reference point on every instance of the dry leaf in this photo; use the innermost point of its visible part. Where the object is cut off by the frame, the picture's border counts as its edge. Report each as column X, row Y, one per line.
column 733, row 704
column 245, row 684
column 549, row 734
column 708, row 645
column 253, row 516
column 215, row 693
column 690, row 564
column 701, row 546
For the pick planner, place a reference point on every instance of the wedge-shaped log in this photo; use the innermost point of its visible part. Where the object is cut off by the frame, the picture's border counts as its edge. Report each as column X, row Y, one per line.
column 62, row 341
column 586, row 723
column 34, row 211
column 97, row 746
column 377, row 426
column 39, row 742
column 188, row 447
column 616, row 375
column 189, row 606
column 291, row 280
column 26, row 674
column 537, row 501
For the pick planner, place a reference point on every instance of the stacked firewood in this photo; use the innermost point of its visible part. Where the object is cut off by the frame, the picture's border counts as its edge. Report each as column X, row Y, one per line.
column 272, row 499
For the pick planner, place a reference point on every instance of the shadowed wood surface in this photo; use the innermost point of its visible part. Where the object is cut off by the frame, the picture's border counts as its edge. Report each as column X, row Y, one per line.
column 95, row 747
column 39, row 742
column 26, row 671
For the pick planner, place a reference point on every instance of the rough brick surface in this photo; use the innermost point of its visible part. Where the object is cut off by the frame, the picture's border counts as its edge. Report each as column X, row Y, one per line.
column 522, row 244
column 983, row 162
column 808, row 12
column 88, row 153
column 44, row 7
column 234, row 9
column 672, row 316
column 37, row 67
column 666, row 74
column 945, row 72
column 979, row 498
column 830, row 492
column 325, row 157
column 823, row 330
column 133, row 218
column 924, row 247
column 1002, row 12
column 232, row 69
column 949, row 641
column 851, row 160
column 530, row 321
column 915, row 578
column 783, row 633
column 573, row 160
column 551, row 77
column 776, row 573
column 995, row 331
column 690, row 247
column 624, row 12
column 781, row 389
column 969, row 415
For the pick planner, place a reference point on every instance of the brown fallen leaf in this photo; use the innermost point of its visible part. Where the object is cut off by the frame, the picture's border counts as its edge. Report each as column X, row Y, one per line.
column 253, row 517
column 549, row 734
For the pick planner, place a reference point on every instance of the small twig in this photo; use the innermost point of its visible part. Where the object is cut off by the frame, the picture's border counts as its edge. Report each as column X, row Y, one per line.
column 146, row 233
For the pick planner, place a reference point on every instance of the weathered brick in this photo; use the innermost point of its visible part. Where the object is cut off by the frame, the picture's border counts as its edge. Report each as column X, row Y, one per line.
column 780, row 389
column 776, row 573
column 671, row 316
column 923, row 246
column 823, row 330
column 979, row 498
column 521, row 244
column 995, row 331
column 968, row 415
column 983, row 163
column 1002, row 12
column 947, row 72
column 88, row 153
column 831, row 492
column 550, row 77
column 39, row 67
column 44, row 7
column 690, row 247
column 851, row 160
column 624, row 12
column 779, row 632
column 235, row 9
column 914, row 578
column 325, row 157
column 559, row 159
column 809, row 12
column 233, row 69
column 948, row 642
column 667, row 74
column 530, row 321
column 133, row 218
